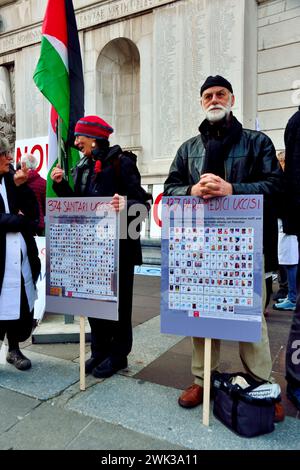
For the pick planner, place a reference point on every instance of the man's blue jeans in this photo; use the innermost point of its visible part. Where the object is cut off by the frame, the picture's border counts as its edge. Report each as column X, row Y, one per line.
column 292, row 281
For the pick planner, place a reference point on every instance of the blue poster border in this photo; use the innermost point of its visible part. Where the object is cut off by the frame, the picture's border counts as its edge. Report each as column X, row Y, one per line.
column 231, row 212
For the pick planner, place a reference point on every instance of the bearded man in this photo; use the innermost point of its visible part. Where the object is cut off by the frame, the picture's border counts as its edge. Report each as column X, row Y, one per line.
column 226, row 159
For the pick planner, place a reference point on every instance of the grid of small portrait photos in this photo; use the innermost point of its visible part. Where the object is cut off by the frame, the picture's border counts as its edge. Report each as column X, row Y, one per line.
column 82, row 260
column 210, row 270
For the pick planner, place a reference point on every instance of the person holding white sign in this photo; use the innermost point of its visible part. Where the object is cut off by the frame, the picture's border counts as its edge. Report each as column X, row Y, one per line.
column 106, row 171
column 19, row 261
column 225, row 159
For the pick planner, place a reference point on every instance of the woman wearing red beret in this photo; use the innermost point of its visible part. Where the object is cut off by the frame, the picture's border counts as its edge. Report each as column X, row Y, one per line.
column 98, row 175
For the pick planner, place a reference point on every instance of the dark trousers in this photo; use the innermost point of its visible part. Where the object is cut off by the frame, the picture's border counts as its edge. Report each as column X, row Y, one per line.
column 18, row 330
column 282, row 278
column 269, row 284
column 114, row 338
column 292, row 362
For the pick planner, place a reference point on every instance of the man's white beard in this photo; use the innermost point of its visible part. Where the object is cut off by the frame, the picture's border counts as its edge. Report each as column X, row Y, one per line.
column 217, row 112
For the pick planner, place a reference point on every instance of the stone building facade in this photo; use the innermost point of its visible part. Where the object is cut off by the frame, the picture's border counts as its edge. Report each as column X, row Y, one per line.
column 144, row 61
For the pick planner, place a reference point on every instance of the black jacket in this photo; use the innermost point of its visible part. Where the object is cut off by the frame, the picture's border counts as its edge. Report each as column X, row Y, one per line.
column 291, row 209
column 122, row 178
column 20, row 198
column 251, row 167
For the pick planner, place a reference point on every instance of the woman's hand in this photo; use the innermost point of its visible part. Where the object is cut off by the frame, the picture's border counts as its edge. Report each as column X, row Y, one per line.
column 57, row 174
column 118, row 202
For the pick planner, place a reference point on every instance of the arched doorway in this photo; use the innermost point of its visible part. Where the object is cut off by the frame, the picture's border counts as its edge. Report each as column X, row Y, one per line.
column 118, row 90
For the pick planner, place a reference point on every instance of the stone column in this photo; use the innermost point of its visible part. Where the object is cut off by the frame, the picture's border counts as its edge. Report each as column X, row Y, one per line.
column 7, row 115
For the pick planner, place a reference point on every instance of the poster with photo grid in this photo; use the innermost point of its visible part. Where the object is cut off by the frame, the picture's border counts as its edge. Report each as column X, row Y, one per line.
column 212, row 267
column 82, row 250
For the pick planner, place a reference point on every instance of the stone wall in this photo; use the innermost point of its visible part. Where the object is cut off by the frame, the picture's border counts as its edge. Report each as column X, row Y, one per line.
column 167, row 53
column 278, row 65
column 144, row 61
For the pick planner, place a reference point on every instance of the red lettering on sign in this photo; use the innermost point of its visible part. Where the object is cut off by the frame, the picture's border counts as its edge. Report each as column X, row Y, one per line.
column 157, row 201
column 39, row 149
column 19, row 153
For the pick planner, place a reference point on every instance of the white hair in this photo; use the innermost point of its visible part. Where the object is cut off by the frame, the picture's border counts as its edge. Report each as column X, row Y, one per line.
column 4, row 145
column 30, row 161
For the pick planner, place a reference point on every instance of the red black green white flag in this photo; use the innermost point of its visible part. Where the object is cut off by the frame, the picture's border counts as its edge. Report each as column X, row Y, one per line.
column 59, row 76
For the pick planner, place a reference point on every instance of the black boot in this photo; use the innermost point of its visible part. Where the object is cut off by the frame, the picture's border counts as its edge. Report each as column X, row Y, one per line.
column 92, row 362
column 109, row 367
column 18, row 359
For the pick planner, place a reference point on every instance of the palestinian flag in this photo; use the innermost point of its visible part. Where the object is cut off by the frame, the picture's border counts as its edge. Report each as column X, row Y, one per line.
column 59, row 76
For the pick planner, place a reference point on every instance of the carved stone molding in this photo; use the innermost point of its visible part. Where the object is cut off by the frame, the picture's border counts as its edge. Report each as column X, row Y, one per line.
column 86, row 18
column 113, row 10
column 20, row 39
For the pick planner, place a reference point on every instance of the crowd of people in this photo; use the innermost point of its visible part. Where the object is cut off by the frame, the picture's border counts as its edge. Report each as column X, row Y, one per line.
column 223, row 159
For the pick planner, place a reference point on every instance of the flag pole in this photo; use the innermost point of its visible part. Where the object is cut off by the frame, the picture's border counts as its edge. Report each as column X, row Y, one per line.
column 206, row 385
column 59, row 124
column 66, row 150
column 69, row 319
column 82, row 352
column 62, row 150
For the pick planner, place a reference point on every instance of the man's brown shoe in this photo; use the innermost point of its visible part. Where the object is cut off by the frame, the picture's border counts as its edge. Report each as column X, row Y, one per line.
column 192, row 396
column 279, row 413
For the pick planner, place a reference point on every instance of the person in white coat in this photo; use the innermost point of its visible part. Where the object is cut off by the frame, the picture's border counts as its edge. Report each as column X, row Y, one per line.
column 288, row 257
column 19, row 261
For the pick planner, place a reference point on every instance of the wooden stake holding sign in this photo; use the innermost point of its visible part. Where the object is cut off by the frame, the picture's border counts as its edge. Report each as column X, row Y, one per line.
column 82, row 352
column 206, row 384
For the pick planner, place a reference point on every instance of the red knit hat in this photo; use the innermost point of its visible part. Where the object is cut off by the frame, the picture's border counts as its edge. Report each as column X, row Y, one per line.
column 93, row 126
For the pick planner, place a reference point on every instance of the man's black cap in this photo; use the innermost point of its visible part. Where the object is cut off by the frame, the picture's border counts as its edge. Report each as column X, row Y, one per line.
column 217, row 80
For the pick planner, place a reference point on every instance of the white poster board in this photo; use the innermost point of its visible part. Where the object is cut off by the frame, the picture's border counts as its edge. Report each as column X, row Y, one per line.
column 40, row 303
column 155, row 223
column 82, row 245
column 37, row 146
